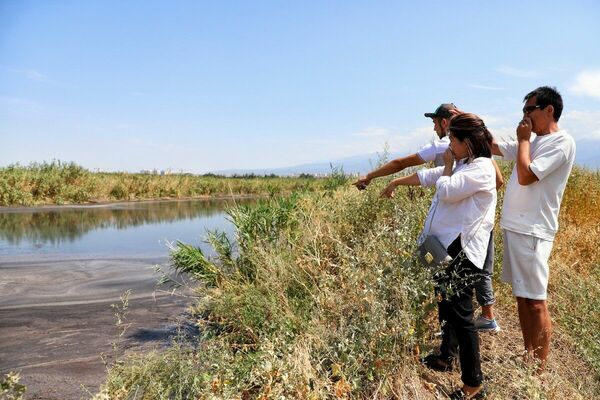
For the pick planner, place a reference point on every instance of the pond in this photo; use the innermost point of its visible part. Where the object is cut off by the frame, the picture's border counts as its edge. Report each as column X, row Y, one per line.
column 62, row 269
column 130, row 230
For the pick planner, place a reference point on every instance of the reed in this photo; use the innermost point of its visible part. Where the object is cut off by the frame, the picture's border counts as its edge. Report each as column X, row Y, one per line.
column 57, row 182
column 322, row 298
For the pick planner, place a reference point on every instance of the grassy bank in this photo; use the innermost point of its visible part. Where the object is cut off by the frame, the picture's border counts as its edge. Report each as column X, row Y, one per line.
column 68, row 183
column 324, row 300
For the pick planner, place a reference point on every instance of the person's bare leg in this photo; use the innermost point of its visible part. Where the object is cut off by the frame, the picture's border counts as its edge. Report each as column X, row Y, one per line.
column 525, row 322
column 488, row 311
column 541, row 330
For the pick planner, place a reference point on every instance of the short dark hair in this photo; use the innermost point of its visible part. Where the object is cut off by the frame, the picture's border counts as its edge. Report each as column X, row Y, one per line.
column 545, row 96
column 470, row 129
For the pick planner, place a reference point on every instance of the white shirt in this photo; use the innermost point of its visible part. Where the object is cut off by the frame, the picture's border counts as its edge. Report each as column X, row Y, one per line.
column 434, row 151
column 533, row 209
column 464, row 204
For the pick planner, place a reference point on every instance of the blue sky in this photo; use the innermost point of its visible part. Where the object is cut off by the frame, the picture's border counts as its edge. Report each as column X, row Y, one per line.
column 204, row 86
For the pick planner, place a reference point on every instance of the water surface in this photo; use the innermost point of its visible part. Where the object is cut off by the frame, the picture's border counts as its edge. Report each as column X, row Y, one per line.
column 61, row 269
column 130, row 230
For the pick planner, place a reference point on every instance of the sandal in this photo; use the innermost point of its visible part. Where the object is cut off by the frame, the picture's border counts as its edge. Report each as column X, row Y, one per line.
column 437, row 363
column 460, row 395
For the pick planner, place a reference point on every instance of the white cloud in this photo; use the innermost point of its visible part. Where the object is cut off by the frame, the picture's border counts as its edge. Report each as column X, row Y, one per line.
column 582, row 124
column 502, row 127
column 587, row 83
column 405, row 141
column 164, row 146
column 485, row 87
column 16, row 101
column 494, row 120
column 33, row 75
column 413, row 138
column 319, row 141
column 367, row 141
column 504, row 133
column 517, row 72
column 30, row 74
column 19, row 106
column 373, row 132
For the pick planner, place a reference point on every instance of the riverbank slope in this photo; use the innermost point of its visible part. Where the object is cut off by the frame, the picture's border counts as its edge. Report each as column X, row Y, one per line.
column 326, row 301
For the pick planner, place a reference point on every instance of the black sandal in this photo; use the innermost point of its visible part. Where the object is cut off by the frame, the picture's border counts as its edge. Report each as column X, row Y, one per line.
column 437, row 363
column 460, row 395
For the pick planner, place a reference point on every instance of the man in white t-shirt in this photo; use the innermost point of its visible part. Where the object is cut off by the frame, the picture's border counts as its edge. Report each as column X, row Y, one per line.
column 530, row 211
column 434, row 152
column 431, row 152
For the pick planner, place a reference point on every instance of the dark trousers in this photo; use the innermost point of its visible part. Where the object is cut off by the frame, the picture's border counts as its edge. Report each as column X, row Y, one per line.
column 454, row 287
column 484, row 291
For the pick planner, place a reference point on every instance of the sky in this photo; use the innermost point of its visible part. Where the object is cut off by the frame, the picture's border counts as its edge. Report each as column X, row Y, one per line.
column 204, row 86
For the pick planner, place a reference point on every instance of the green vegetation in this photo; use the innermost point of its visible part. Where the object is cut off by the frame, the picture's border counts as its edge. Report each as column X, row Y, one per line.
column 57, row 182
column 575, row 265
column 10, row 388
column 322, row 298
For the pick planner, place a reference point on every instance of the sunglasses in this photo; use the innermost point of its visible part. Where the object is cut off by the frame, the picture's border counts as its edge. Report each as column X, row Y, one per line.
column 530, row 109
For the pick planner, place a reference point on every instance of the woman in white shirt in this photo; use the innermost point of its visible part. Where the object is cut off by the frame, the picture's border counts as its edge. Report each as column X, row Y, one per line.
column 461, row 216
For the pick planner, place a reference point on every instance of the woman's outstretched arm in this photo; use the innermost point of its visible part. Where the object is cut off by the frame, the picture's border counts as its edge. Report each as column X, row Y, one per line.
column 409, row 180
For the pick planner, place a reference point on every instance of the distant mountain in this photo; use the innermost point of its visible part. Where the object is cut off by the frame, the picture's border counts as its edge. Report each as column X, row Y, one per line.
column 588, row 155
column 355, row 164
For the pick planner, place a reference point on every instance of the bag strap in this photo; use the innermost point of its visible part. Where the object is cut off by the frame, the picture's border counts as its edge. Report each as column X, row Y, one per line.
column 472, row 236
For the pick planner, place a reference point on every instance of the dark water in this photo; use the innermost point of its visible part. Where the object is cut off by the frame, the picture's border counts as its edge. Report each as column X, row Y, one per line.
column 136, row 230
column 61, row 269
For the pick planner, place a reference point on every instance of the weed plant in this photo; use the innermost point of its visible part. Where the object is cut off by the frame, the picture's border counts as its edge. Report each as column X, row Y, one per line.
column 58, row 182
column 321, row 297
column 10, row 388
column 575, row 265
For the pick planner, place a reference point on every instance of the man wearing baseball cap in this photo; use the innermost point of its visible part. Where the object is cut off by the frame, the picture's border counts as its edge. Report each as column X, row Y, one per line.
column 445, row 110
column 433, row 152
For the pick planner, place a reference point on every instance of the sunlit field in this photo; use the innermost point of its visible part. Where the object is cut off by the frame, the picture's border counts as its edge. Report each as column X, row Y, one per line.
column 68, row 183
column 322, row 298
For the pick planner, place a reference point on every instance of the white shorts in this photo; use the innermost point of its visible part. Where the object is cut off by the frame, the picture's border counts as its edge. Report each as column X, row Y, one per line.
column 525, row 264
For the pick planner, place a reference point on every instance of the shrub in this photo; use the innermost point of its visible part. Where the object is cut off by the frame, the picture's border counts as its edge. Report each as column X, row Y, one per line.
column 322, row 298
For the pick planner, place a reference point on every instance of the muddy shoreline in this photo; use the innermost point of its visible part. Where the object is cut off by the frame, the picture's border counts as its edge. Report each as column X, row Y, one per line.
column 58, row 328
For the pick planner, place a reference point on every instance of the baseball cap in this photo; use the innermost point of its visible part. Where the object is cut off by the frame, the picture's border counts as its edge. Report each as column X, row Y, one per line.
column 443, row 111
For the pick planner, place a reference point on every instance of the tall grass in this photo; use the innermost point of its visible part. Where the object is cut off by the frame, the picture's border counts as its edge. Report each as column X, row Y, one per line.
column 575, row 265
column 58, row 182
column 322, row 298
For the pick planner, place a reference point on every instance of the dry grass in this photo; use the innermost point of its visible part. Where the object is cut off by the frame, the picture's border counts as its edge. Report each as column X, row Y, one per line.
column 509, row 377
column 57, row 182
column 325, row 301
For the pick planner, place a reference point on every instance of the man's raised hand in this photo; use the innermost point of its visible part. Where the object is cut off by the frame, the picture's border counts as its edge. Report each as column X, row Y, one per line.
column 524, row 129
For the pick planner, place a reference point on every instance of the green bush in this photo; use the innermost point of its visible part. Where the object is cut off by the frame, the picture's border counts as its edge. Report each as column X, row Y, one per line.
column 320, row 297
column 58, row 182
column 323, row 297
